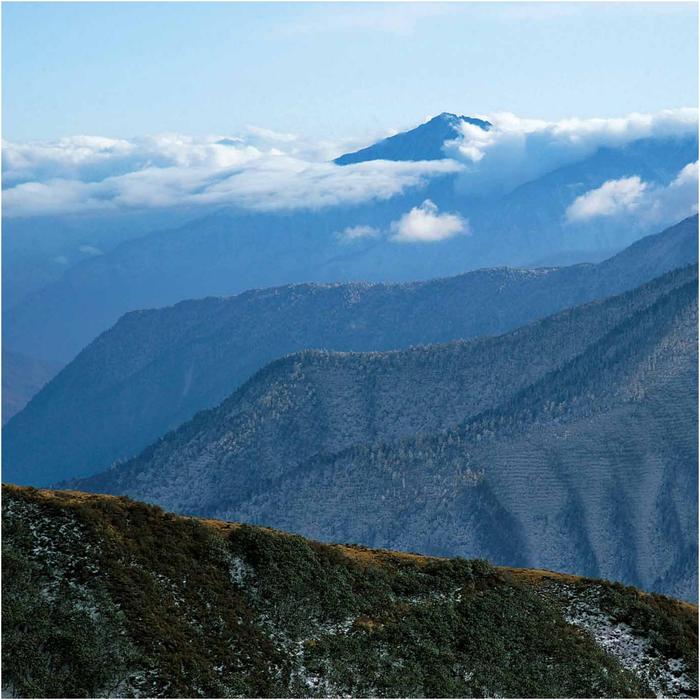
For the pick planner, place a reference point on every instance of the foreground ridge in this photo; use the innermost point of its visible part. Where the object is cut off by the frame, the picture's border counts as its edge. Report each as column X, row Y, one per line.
column 107, row 596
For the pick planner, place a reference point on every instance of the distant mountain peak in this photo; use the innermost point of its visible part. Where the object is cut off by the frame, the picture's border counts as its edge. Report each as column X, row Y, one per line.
column 425, row 142
column 454, row 118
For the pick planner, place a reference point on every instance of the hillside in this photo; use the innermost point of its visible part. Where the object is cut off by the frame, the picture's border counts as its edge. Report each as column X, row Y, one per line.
column 591, row 469
column 22, row 378
column 582, row 456
column 155, row 369
column 109, row 597
column 319, row 402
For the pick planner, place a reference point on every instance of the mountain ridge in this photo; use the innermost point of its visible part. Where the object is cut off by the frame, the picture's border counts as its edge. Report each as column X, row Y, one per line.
column 155, row 369
column 616, row 482
column 230, row 250
column 308, row 421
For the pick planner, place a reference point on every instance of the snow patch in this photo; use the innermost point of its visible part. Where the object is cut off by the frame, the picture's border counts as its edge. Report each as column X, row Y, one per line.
column 666, row 677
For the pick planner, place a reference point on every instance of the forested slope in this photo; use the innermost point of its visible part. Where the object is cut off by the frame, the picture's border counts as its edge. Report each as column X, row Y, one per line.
column 155, row 369
column 577, row 448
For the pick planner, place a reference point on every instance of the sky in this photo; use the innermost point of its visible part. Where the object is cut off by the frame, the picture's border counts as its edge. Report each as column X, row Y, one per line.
column 334, row 70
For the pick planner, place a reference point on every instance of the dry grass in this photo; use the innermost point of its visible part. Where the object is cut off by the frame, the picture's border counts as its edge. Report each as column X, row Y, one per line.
column 382, row 557
column 538, row 576
column 358, row 554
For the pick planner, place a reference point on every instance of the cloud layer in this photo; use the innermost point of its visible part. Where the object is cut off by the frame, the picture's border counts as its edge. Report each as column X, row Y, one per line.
column 518, row 150
column 267, row 170
column 90, row 174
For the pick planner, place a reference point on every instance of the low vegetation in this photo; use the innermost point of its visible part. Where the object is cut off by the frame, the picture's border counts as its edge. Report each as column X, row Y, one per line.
column 107, row 596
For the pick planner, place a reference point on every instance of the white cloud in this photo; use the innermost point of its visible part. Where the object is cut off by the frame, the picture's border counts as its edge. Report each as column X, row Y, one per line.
column 645, row 202
column 90, row 250
column 92, row 159
column 612, row 197
column 424, row 224
column 271, row 135
column 266, row 169
column 246, row 177
column 352, row 233
column 516, row 150
column 667, row 205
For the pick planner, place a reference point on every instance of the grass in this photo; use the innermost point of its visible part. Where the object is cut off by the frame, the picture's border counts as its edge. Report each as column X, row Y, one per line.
column 213, row 609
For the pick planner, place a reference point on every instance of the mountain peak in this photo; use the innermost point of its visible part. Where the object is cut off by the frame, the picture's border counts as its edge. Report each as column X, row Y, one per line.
column 452, row 118
column 425, row 142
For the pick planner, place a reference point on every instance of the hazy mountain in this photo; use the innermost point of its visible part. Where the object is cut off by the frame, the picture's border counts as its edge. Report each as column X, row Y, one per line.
column 425, row 142
column 105, row 597
column 530, row 220
column 155, row 369
column 39, row 250
column 582, row 455
column 22, row 377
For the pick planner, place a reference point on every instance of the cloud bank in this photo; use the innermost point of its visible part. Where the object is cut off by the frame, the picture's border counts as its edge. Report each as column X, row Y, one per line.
column 647, row 202
column 267, row 170
column 423, row 224
column 91, row 174
column 518, row 150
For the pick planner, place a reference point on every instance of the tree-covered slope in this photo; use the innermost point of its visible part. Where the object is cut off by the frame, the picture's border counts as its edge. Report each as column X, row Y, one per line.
column 155, row 369
column 577, row 449
column 316, row 402
column 108, row 597
column 591, row 469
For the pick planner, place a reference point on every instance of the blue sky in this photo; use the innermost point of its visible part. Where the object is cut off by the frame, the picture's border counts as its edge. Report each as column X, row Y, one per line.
column 334, row 70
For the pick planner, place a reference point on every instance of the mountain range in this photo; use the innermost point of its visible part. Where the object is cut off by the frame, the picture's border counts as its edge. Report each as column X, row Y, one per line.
column 155, row 369
column 109, row 597
column 138, row 261
column 442, row 367
column 581, row 457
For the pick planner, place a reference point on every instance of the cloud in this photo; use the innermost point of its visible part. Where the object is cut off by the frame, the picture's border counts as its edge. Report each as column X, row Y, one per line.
column 516, row 150
column 647, row 203
column 92, row 159
column 424, row 224
column 271, row 135
column 264, row 169
column 352, row 233
column 612, row 197
column 249, row 178
column 90, row 250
